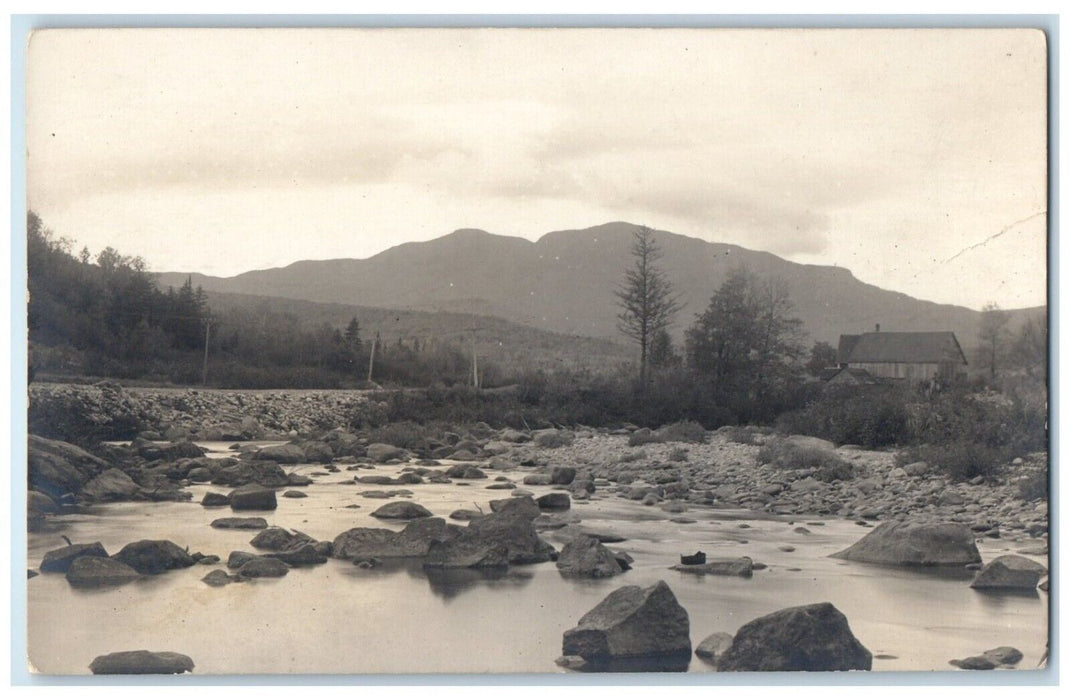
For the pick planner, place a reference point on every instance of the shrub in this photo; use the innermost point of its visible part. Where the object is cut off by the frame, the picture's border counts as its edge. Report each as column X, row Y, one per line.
column 868, row 416
column 683, row 431
column 787, row 453
column 405, row 434
column 743, row 435
column 960, row 460
column 644, row 436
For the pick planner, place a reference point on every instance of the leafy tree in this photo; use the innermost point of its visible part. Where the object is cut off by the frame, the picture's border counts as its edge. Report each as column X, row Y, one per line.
column 822, row 356
column 646, row 298
column 352, row 335
column 747, row 343
column 992, row 337
column 1030, row 347
column 663, row 353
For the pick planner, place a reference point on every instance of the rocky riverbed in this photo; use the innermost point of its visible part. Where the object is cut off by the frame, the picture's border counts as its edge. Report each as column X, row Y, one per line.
column 575, row 513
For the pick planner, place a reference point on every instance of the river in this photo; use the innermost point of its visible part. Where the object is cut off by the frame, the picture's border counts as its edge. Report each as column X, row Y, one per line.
column 339, row 618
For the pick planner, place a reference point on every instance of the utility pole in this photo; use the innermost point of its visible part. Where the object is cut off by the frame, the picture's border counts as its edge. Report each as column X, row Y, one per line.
column 371, row 357
column 207, row 332
column 475, row 365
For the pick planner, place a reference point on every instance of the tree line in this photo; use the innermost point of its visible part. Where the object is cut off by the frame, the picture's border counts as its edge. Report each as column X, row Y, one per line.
column 106, row 317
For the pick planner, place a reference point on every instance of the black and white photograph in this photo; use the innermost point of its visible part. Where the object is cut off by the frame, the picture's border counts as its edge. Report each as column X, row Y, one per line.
column 536, row 350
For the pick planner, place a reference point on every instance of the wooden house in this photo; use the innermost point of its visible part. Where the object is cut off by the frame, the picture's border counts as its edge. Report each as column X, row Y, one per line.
column 911, row 357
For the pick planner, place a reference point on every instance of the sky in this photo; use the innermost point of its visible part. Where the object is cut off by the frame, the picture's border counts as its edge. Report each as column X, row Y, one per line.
column 917, row 159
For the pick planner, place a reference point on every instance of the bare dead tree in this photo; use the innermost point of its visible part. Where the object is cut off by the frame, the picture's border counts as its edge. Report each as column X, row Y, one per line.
column 646, row 298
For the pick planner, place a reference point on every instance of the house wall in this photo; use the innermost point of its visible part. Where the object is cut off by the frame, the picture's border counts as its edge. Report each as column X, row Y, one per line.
column 910, row 371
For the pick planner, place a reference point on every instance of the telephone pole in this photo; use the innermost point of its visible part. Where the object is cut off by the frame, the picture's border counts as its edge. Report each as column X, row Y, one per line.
column 207, row 332
column 371, row 356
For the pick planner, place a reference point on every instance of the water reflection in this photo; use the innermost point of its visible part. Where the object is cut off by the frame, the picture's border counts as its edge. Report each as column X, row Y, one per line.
column 672, row 663
column 447, row 584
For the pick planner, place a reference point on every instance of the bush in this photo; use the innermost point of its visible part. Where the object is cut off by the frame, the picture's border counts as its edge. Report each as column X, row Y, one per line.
column 644, row 436
column 405, row 434
column 742, row 435
column 868, row 416
column 787, row 453
column 960, row 460
column 683, row 431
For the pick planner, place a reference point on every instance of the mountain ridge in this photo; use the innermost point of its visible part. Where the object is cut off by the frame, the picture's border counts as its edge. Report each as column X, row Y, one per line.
column 564, row 282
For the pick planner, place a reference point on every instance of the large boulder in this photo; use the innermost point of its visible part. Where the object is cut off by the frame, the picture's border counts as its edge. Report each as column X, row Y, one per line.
column 154, row 556
column 632, row 622
column 212, row 499
column 521, row 506
column 915, row 544
column 59, row 560
column 1009, row 572
column 141, row 662
column 253, row 497
column 401, row 510
column 380, row 452
column 303, row 554
column 92, row 571
column 110, row 485
column 281, row 454
column 466, row 554
column 562, row 475
column 587, row 557
column 268, row 474
column 805, row 638
column 317, row 451
column 57, row 468
column 556, row 500
column 512, row 527
column 414, row 541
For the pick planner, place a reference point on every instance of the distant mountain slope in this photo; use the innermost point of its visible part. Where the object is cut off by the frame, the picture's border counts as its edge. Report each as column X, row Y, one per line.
column 564, row 282
column 510, row 346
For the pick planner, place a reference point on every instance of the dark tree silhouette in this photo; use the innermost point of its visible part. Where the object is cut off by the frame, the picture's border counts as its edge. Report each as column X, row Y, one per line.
column 646, row 298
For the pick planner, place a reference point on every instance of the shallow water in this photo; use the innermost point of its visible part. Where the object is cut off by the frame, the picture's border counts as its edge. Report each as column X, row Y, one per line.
column 338, row 618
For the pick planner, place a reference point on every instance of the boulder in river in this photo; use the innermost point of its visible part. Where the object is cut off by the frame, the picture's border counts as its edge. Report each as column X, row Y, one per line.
column 59, row 560
column 57, row 468
column 380, row 452
column 212, row 499
column 281, row 454
column 239, row 523
column 253, row 497
column 305, row 554
column 217, row 578
column 109, row 486
column 742, row 566
column 711, row 648
column 153, row 557
column 401, row 510
column 511, row 525
column 92, row 572
column 804, row 638
column 915, row 544
column 562, row 475
column 268, row 474
column 461, row 553
column 414, row 541
column 585, row 556
column 632, row 623
column 554, row 501
column 1009, row 572
column 277, row 539
column 263, row 567
column 141, row 662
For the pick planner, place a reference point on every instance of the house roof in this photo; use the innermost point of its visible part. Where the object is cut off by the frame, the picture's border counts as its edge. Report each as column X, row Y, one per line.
column 928, row 347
